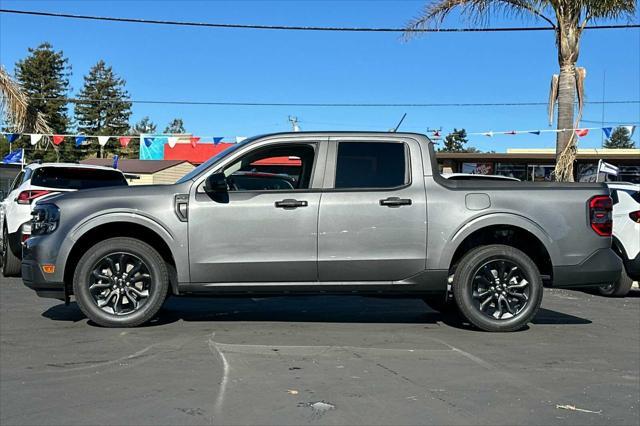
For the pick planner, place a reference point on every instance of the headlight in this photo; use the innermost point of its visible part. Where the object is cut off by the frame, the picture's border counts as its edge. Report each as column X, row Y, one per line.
column 44, row 219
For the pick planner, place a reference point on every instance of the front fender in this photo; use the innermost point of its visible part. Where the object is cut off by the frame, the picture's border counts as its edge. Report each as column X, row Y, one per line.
column 177, row 243
column 493, row 219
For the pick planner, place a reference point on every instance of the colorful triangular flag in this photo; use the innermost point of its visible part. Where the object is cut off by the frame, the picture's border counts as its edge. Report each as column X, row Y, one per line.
column 607, row 132
column 102, row 140
column 124, row 141
column 172, row 141
column 535, row 132
column 194, row 141
column 11, row 137
column 582, row 132
column 80, row 140
column 511, row 132
column 57, row 139
column 35, row 138
column 217, row 140
column 148, row 141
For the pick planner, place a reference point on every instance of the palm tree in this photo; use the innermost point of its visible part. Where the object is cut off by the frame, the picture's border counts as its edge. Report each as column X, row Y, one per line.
column 14, row 104
column 568, row 19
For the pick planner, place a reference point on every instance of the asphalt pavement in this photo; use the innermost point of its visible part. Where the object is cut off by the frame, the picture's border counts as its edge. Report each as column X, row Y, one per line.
column 318, row 360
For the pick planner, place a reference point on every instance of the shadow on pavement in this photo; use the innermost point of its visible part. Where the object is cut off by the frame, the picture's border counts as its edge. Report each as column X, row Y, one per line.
column 339, row 309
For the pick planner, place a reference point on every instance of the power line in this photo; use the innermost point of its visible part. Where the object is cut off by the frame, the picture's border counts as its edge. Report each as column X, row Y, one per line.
column 321, row 104
column 297, row 27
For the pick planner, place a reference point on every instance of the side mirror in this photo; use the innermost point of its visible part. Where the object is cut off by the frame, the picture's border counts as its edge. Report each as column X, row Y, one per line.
column 216, row 183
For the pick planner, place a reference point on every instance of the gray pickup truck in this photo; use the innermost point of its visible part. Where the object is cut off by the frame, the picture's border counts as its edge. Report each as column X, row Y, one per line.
column 355, row 213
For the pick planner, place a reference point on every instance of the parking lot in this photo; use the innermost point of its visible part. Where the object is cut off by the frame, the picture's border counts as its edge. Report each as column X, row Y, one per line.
column 323, row 360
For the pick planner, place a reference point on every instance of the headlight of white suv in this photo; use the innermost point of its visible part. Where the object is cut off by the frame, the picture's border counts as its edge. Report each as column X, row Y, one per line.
column 44, row 219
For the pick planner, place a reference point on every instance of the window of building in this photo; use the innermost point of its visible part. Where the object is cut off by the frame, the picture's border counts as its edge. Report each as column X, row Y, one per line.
column 518, row 171
column 540, row 172
column 478, row 168
column 371, row 165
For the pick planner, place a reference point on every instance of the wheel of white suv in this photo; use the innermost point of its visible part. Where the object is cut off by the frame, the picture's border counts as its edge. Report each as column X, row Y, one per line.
column 618, row 289
column 121, row 282
column 11, row 264
column 497, row 288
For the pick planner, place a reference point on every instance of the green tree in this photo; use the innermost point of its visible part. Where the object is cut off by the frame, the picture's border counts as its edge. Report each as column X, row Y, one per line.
column 568, row 19
column 456, row 141
column 145, row 125
column 104, row 107
column 44, row 78
column 620, row 139
column 176, row 126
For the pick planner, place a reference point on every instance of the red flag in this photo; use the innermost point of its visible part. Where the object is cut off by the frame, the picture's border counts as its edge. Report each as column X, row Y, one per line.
column 582, row 132
column 194, row 141
column 57, row 139
column 124, row 141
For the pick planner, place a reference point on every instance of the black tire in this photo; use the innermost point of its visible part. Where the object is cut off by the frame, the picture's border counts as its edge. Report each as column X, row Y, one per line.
column 470, row 273
column 11, row 264
column 618, row 289
column 156, row 284
column 439, row 304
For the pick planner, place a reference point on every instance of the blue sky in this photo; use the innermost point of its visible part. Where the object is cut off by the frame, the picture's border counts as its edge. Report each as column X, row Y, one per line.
column 200, row 64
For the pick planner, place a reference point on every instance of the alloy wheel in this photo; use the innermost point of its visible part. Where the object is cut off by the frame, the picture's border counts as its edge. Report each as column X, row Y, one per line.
column 500, row 289
column 120, row 283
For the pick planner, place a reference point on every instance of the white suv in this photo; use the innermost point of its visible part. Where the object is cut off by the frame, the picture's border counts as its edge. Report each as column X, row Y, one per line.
column 626, row 235
column 33, row 183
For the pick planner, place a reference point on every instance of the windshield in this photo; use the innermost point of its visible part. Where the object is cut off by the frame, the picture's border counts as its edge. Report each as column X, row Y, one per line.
column 211, row 161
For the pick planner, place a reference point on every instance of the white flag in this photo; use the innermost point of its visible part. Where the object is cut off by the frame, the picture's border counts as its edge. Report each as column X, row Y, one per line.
column 172, row 141
column 102, row 140
column 630, row 129
column 35, row 138
column 240, row 138
column 607, row 168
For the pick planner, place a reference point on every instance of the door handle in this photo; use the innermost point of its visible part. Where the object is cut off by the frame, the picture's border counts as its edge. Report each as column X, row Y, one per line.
column 290, row 204
column 395, row 202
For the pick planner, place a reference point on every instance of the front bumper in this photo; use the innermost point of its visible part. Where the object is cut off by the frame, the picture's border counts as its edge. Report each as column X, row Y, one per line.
column 603, row 266
column 45, row 285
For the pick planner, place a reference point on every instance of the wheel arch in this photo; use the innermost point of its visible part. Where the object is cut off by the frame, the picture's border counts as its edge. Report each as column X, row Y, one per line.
column 507, row 229
column 90, row 235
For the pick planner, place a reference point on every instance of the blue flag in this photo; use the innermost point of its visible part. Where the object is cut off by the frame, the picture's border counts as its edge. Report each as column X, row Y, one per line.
column 535, row 132
column 80, row 140
column 115, row 161
column 607, row 132
column 217, row 140
column 148, row 141
column 11, row 137
column 14, row 157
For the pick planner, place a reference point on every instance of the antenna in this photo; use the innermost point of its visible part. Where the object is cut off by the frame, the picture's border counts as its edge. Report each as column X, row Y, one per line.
column 399, row 123
column 294, row 123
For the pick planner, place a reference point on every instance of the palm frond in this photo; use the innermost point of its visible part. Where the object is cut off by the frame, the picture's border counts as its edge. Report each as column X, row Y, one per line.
column 476, row 11
column 608, row 9
column 14, row 104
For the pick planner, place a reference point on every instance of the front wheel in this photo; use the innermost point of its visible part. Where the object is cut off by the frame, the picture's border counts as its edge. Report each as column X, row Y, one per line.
column 618, row 289
column 498, row 288
column 121, row 282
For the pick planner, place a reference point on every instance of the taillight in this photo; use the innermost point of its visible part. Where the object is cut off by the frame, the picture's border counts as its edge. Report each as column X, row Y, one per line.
column 635, row 216
column 26, row 197
column 600, row 208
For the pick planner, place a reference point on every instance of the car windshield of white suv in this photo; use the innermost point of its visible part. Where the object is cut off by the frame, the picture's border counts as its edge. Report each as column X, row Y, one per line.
column 76, row 178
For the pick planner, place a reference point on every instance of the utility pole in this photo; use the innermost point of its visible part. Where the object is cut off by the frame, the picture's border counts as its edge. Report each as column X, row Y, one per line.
column 294, row 123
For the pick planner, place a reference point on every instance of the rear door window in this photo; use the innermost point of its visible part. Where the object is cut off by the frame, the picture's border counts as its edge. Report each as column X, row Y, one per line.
column 371, row 165
column 76, row 178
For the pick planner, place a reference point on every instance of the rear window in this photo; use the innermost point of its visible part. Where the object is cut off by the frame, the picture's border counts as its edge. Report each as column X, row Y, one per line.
column 76, row 178
column 371, row 165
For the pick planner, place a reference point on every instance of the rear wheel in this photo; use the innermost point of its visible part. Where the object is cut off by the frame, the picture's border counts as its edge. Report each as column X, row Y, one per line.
column 11, row 263
column 618, row 289
column 121, row 282
column 498, row 288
